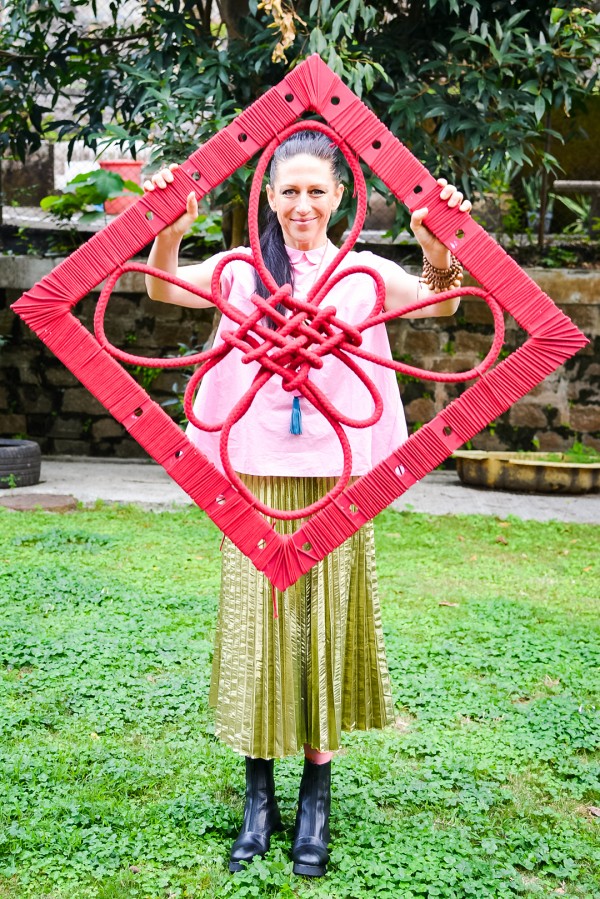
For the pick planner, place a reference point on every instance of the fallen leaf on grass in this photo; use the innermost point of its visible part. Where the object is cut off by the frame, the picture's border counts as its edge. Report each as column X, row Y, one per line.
column 473, row 559
column 593, row 810
column 443, row 603
column 504, row 524
column 589, row 568
column 502, row 539
column 460, row 537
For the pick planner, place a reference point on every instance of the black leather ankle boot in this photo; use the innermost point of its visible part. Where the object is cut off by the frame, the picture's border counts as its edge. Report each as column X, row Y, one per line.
column 261, row 814
column 311, row 836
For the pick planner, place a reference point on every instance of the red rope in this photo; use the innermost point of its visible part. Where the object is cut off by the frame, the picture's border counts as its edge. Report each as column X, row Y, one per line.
column 301, row 340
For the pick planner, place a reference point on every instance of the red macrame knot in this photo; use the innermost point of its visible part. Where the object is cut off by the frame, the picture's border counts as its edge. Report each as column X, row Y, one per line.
column 305, row 332
column 300, row 341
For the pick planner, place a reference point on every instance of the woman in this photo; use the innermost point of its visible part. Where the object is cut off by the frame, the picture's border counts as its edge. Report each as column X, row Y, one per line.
column 319, row 668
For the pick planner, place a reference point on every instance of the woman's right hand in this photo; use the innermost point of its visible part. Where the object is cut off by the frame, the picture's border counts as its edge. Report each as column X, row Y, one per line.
column 180, row 226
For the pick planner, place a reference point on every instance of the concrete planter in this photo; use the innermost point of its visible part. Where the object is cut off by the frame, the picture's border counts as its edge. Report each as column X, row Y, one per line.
column 525, row 472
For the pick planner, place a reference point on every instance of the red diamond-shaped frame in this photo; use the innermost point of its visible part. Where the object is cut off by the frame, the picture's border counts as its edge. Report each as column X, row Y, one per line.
column 312, row 86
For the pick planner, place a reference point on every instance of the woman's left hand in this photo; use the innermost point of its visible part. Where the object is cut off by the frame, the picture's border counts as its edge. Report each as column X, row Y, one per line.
column 433, row 249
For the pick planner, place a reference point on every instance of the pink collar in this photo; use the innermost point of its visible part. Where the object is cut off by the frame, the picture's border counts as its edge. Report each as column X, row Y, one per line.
column 313, row 256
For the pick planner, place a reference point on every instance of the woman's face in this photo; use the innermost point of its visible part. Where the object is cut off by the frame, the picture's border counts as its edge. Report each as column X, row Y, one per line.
column 304, row 194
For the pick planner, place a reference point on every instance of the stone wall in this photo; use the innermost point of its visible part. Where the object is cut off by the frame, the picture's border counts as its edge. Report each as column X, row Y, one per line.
column 40, row 399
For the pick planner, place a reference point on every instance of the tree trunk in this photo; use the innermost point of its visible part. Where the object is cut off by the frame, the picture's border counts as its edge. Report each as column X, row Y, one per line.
column 239, row 218
column 231, row 11
column 544, row 189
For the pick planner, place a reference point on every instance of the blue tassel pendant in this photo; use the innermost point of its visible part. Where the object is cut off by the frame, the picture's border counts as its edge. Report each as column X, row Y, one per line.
column 296, row 422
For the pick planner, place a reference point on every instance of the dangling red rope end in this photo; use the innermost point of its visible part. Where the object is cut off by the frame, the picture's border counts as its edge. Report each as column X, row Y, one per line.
column 274, row 598
column 222, row 542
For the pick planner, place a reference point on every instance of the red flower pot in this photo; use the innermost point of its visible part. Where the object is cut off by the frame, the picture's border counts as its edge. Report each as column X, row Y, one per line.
column 129, row 170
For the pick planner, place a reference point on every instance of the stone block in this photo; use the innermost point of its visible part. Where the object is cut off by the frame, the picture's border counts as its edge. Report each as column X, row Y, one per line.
column 592, row 372
column 131, row 282
column 585, row 418
column 7, row 321
column 422, row 343
column 78, row 399
column 65, row 429
column 476, row 312
column 28, row 375
column 63, row 447
column 129, row 449
column 586, row 318
column 167, row 378
column 60, row 377
column 169, row 334
column 122, row 309
column 567, row 287
column 487, row 442
column 527, row 415
column 35, row 401
column 452, row 364
column 551, row 442
column 19, row 273
column 477, row 345
column 422, row 409
column 107, row 428
column 12, row 423
column 154, row 309
column 594, row 442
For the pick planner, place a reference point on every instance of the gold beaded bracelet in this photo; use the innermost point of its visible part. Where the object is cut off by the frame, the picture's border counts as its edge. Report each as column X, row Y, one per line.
column 440, row 279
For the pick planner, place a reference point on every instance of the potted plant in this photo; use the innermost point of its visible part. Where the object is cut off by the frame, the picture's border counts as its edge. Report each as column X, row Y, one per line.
column 88, row 195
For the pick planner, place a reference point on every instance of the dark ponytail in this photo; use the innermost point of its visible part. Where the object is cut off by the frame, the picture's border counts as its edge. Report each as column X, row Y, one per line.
column 276, row 259
column 272, row 245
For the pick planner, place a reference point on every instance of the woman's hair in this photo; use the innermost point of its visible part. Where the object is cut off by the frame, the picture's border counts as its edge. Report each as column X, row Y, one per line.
column 272, row 245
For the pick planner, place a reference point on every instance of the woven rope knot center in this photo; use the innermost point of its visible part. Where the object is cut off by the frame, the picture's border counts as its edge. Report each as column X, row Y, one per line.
column 305, row 333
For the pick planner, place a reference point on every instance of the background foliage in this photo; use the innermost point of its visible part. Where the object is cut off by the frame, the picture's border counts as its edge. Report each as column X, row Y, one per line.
column 470, row 87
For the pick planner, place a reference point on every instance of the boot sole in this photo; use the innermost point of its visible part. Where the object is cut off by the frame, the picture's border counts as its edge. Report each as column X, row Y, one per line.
column 237, row 866
column 310, row 870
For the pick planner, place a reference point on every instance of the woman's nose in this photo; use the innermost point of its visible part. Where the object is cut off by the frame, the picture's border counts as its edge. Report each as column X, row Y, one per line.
column 303, row 203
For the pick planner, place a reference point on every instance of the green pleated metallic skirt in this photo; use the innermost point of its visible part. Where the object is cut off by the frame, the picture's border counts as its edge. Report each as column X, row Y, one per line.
column 316, row 670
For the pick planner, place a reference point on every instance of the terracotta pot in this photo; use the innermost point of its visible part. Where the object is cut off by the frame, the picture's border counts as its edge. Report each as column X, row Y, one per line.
column 525, row 472
column 129, row 170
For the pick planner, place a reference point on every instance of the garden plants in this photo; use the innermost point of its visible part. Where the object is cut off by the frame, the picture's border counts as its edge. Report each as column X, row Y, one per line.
column 112, row 784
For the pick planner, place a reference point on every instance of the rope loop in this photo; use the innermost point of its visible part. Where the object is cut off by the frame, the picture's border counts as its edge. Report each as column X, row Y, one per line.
column 307, row 331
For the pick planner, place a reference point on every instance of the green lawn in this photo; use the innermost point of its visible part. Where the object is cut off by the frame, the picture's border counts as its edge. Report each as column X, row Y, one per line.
column 112, row 784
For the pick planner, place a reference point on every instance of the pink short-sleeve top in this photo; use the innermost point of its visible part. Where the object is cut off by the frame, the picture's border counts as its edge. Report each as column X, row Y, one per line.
column 261, row 442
